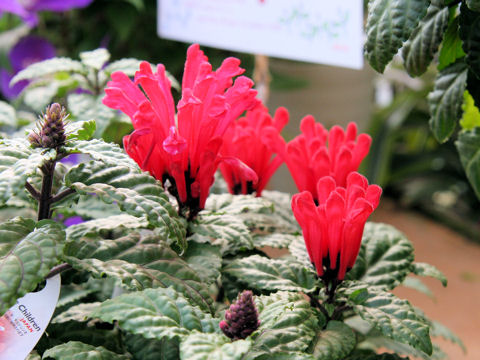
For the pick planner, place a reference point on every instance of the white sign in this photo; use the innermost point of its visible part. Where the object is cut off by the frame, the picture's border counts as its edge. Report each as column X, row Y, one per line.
column 24, row 323
column 321, row 31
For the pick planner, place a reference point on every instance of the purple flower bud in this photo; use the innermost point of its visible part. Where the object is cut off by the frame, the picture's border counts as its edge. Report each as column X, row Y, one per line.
column 241, row 319
column 52, row 133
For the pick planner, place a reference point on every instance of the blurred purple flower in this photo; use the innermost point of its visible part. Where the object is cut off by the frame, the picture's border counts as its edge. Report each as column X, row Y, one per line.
column 27, row 9
column 72, row 159
column 74, row 220
column 30, row 49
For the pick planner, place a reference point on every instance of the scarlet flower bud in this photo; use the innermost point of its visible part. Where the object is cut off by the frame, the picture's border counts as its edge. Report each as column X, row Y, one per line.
column 241, row 319
column 52, row 128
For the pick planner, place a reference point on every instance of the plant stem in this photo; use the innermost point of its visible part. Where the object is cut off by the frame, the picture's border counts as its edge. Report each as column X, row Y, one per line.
column 58, row 269
column 61, row 195
column 44, row 201
column 34, row 192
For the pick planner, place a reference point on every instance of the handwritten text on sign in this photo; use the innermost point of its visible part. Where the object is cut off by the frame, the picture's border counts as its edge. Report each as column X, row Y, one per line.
column 321, row 31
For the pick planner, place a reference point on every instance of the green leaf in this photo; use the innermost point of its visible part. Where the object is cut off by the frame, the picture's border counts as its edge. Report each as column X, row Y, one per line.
column 49, row 67
column 474, row 5
column 440, row 330
column 272, row 274
column 445, row 101
column 70, row 294
column 468, row 146
column 96, row 58
column 423, row 269
column 81, row 130
column 287, row 324
column 108, row 153
column 278, row 241
column 137, row 194
column 282, row 210
column 393, row 317
column 87, row 107
column 27, row 254
column 79, row 313
column 451, row 49
column 471, row 114
column 419, row 50
column 33, row 356
column 385, row 257
column 298, row 249
column 205, row 259
column 151, row 349
column 139, row 264
column 75, row 350
column 417, row 284
column 7, row 114
column 389, row 24
column 335, row 342
column 156, row 314
column 198, row 346
column 227, row 231
column 129, row 66
column 469, row 25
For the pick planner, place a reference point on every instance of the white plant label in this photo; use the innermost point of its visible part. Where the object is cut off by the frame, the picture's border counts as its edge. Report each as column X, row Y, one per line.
column 319, row 31
column 24, row 323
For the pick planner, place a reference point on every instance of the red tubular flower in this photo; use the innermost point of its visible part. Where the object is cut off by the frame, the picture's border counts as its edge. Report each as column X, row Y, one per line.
column 254, row 139
column 309, row 158
column 183, row 149
column 333, row 229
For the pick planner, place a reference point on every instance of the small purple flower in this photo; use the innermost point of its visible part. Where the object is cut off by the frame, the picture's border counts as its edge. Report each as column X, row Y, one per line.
column 73, row 220
column 30, row 49
column 27, row 9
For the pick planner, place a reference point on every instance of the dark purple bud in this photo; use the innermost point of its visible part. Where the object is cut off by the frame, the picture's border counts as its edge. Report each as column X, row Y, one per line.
column 241, row 319
column 52, row 128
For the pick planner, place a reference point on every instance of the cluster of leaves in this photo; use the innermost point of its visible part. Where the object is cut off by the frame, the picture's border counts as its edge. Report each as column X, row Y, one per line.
column 146, row 284
column 421, row 29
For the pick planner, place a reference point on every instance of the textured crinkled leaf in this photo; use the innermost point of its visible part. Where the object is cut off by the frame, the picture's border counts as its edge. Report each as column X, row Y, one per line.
column 8, row 116
column 117, row 223
column 100, row 150
column 227, row 231
column 205, row 259
column 79, row 313
column 276, row 240
column 95, row 58
column 384, row 356
column 272, row 274
column 27, row 254
column 468, row 146
column 417, row 284
column 33, row 356
column 440, row 330
column 81, row 130
column 423, row 269
column 282, row 208
column 445, row 101
column 70, row 294
column 385, row 257
column 13, row 150
column 156, row 314
column 389, row 24
column 76, row 350
column 335, row 342
column 49, row 67
column 137, row 194
column 152, row 349
column 469, row 25
column 451, row 49
column 419, row 50
column 393, row 317
column 198, row 346
column 138, row 264
column 287, row 324
column 88, row 107
column 298, row 249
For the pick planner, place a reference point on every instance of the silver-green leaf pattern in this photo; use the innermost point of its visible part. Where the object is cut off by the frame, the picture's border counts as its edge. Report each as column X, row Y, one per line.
column 389, row 24
column 468, row 146
column 335, row 342
column 28, row 251
column 76, row 350
column 198, row 346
